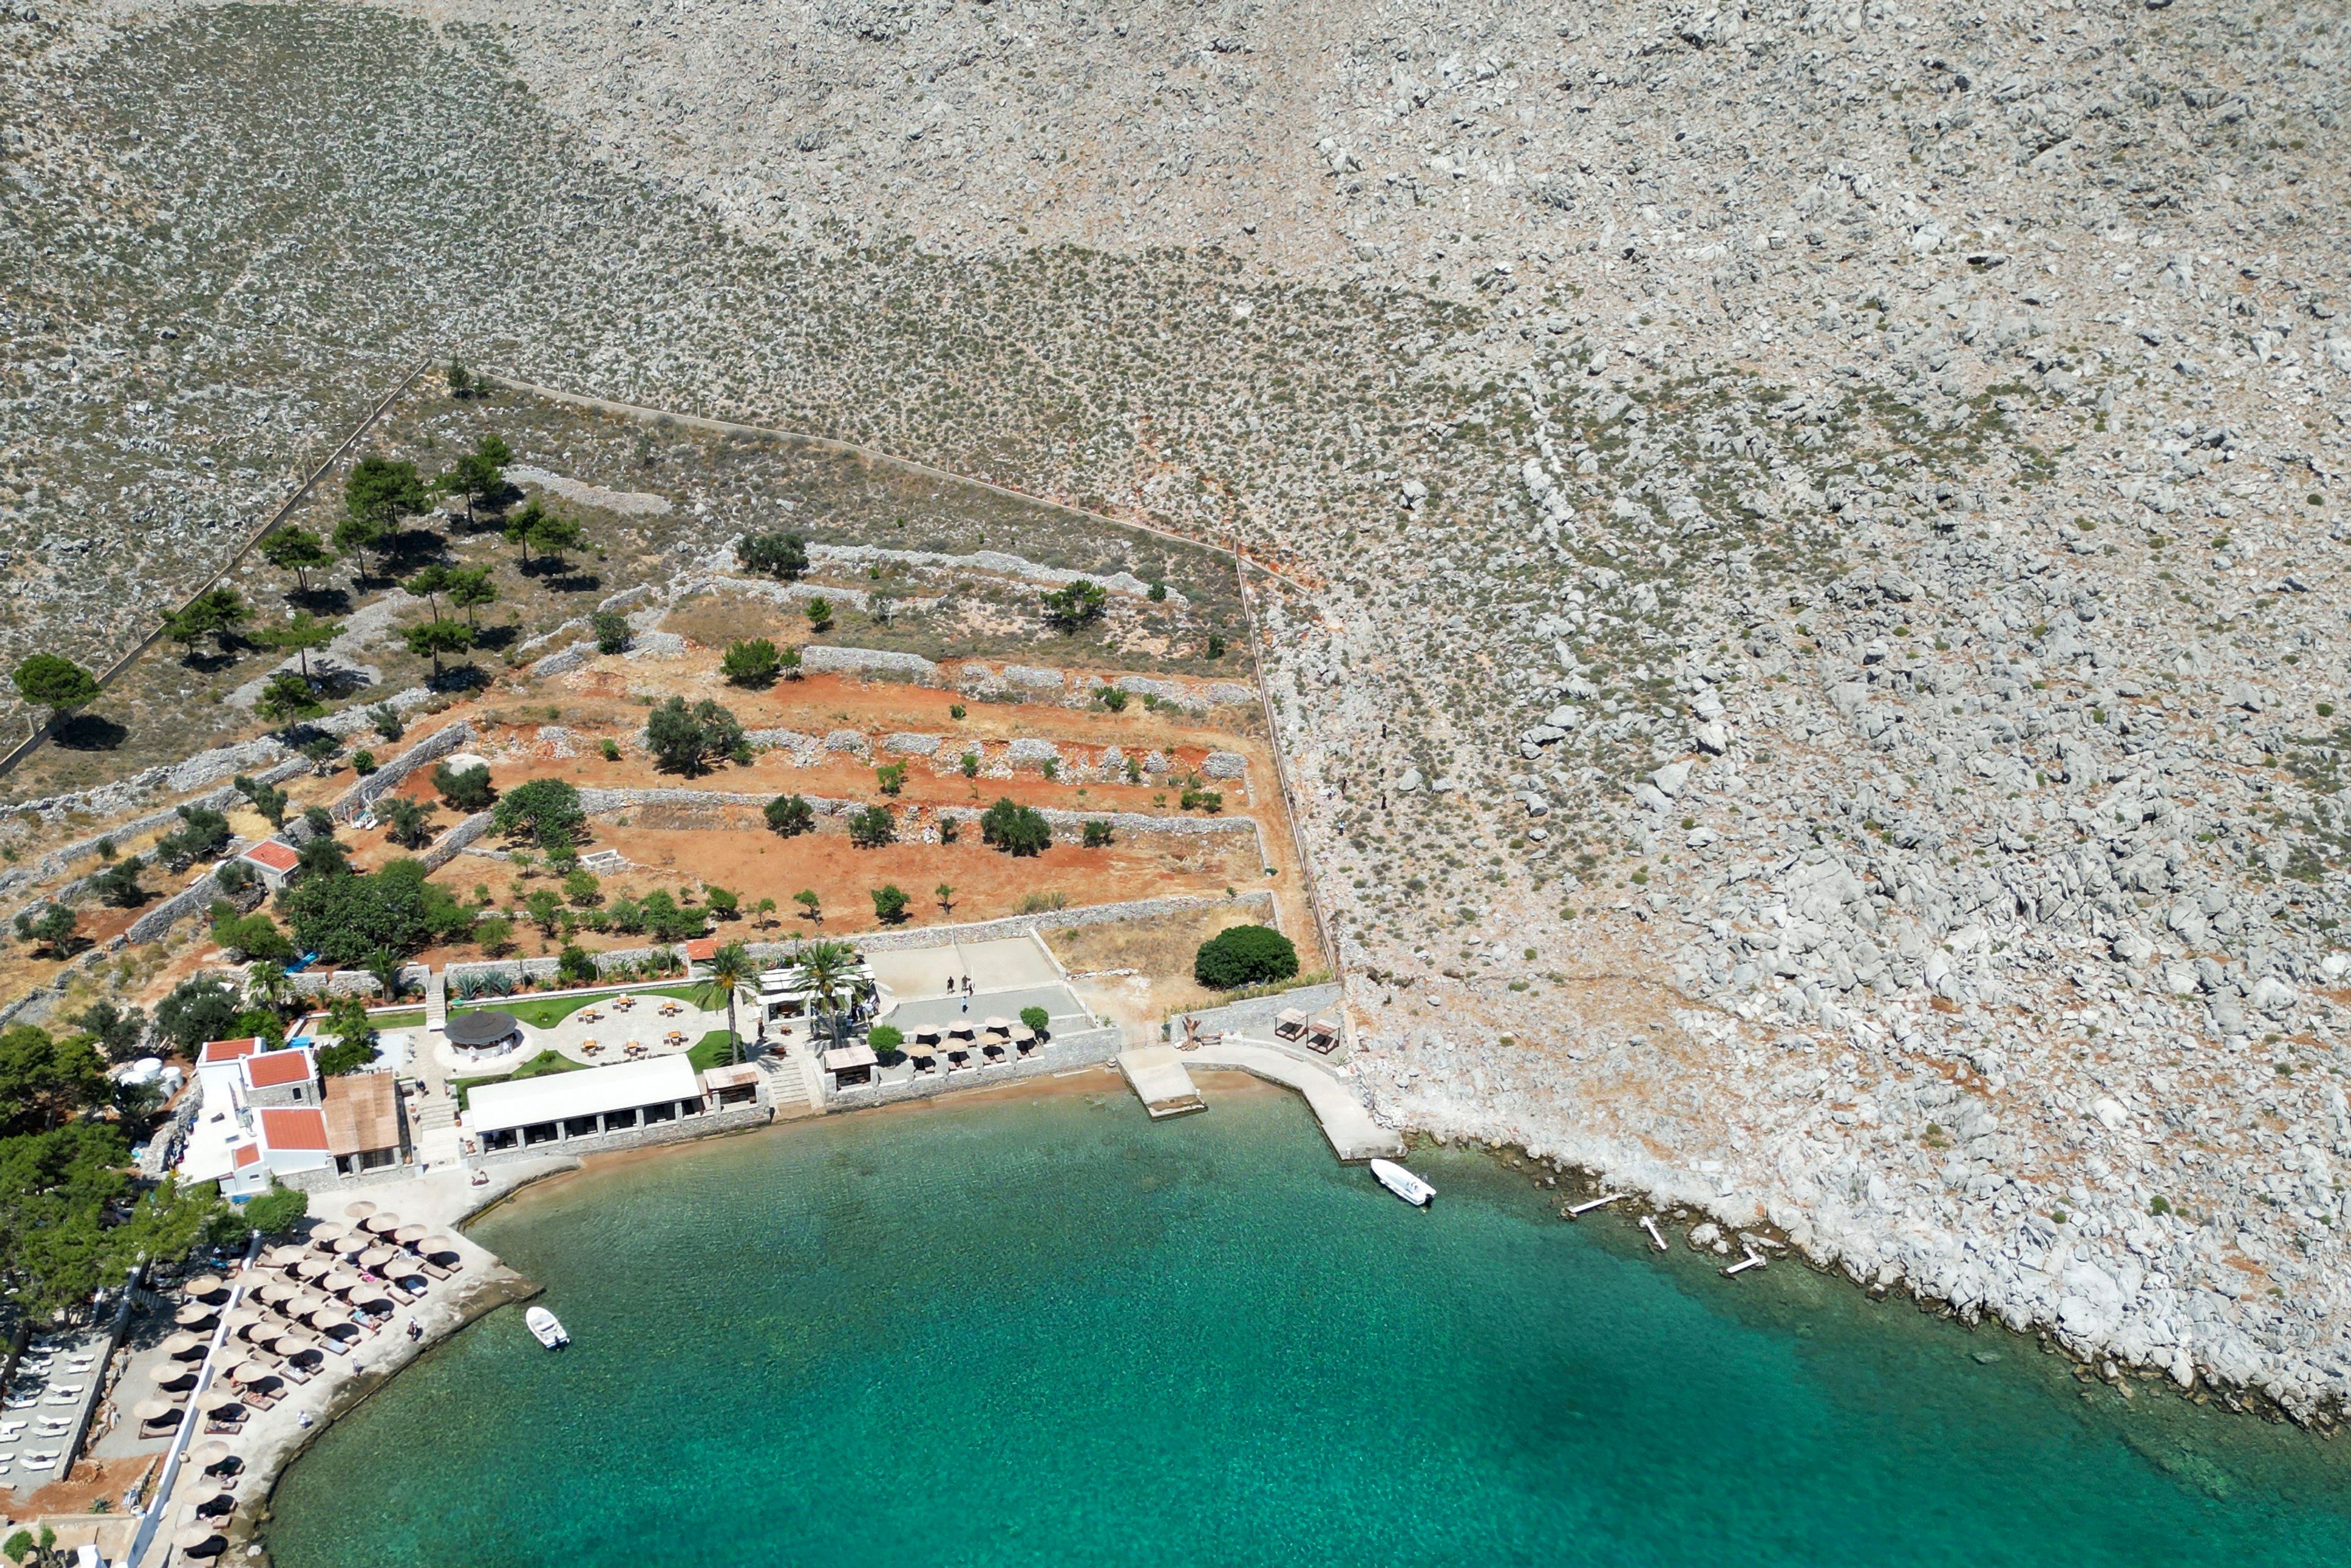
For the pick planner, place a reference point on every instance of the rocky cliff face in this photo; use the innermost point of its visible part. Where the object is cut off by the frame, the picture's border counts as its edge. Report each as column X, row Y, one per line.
column 1813, row 534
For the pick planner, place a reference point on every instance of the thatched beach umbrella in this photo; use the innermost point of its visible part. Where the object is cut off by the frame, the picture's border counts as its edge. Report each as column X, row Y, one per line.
column 314, row 1268
column 410, row 1235
column 155, row 1412
column 351, row 1246
column 200, row 1541
column 327, row 1318
column 172, row 1375
column 341, row 1281
column 254, row 1374
column 183, row 1345
column 301, row 1350
column 359, row 1209
column 195, row 1315
column 281, row 1257
column 381, row 1224
column 229, row 1370
column 325, row 1236
column 437, row 1247
column 205, row 1288
column 208, row 1454
column 377, row 1257
column 219, row 1402
column 999, row 1026
column 275, row 1291
column 369, row 1293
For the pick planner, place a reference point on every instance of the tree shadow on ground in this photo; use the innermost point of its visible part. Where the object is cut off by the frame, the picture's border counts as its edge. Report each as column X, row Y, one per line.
column 321, row 602
column 90, row 732
column 496, row 638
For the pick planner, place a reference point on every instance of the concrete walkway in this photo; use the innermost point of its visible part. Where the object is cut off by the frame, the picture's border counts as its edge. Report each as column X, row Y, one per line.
column 1354, row 1134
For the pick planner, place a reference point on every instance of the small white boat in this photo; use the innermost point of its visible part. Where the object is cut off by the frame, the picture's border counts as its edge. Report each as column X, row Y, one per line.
column 546, row 1329
column 1403, row 1183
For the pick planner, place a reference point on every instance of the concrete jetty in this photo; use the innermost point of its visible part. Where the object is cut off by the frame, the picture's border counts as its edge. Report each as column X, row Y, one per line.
column 1157, row 1077
column 1345, row 1121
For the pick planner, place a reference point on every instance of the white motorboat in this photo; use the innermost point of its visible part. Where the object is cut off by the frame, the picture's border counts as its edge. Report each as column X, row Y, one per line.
column 1403, row 1183
column 545, row 1328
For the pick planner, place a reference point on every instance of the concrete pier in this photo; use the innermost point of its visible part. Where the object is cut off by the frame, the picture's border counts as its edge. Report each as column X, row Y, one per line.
column 1354, row 1134
column 1157, row 1077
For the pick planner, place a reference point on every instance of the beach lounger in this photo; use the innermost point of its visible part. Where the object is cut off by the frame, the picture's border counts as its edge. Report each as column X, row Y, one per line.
column 437, row 1270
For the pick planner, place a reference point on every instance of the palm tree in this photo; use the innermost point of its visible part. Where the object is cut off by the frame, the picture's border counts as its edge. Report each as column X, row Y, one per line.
column 729, row 966
column 267, row 983
column 824, row 968
column 384, row 965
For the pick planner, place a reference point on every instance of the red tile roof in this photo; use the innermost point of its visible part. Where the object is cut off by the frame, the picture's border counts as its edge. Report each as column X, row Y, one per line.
column 245, row 1155
column 219, row 1050
column 278, row 856
column 276, row 1069
column 701, row 950
column 294, row 1127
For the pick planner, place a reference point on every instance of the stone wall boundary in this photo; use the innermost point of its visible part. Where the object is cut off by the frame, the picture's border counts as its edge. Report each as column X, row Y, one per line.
column 710, row 1124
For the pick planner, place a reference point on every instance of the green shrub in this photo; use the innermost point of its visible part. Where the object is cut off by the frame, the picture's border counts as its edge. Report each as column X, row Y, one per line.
column 871, row 828
column 889, row 904
column 1036, row 1019
column 885, row 1038
column 1244, row 956
column 790, row 815
column 1015, row 829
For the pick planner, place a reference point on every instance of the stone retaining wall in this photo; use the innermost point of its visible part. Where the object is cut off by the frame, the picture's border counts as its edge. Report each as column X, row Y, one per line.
column 1256, row 1016
column 449, row 845
column 368, row 791
column 194, row 899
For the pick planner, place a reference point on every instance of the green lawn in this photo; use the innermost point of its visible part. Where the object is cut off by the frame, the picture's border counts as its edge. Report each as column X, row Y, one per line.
column 408, row 1017
column 713, row 1049
column 548, row 1011
column 539, row 1066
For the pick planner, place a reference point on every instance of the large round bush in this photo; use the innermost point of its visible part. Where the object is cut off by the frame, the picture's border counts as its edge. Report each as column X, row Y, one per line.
column 1244, row 956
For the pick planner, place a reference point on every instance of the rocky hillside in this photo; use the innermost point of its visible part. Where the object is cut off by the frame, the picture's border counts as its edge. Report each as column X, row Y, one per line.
column 1815, row 531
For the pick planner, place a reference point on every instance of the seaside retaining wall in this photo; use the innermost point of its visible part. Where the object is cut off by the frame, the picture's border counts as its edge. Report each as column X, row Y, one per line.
column 734, row 1119
column 1084, row 1048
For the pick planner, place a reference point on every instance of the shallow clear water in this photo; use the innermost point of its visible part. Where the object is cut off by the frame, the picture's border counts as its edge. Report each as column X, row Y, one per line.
column 1043, row 1331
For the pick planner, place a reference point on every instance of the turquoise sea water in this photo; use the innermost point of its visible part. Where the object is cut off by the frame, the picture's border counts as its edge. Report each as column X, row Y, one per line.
column 1043, row 1331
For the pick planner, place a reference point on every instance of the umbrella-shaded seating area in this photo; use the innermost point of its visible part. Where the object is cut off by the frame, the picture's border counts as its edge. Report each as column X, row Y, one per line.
column 223, row 1411
column 438, row 1256
column 1024, row 1039
column 201, row 1540
column 195, row 1315
column 213, row 1458
column 173, row 1377
column 156, row 1417
column 184, row 1346
column 924, row 1053
column 207, row 1287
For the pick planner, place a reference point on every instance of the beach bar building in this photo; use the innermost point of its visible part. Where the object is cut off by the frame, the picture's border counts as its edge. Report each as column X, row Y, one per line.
column 561, row 1108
